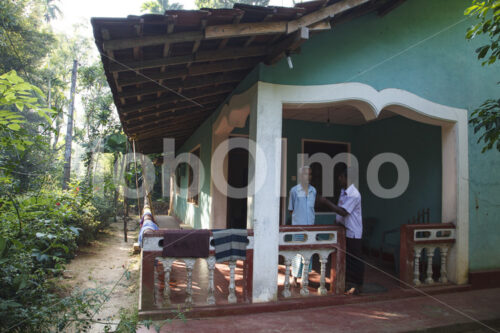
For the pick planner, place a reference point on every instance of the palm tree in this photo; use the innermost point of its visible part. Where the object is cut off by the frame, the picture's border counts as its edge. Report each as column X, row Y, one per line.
column 51, row 10
column 159, row 6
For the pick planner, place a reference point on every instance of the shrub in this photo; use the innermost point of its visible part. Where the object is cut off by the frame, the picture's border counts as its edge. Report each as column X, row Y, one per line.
column 34, row 246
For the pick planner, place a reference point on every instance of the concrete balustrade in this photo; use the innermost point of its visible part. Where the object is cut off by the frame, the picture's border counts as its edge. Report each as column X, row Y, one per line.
column 308, row 241
column 419, row 244
column 321, row 240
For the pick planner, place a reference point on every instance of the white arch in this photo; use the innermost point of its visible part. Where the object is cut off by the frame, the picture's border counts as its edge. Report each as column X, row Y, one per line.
column 453, row 123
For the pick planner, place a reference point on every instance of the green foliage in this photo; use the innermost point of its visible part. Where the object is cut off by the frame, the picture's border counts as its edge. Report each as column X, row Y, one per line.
column 25, row 39
column 14, row 91
column 40, row 229
column 52, row 11
column 159, row 6
column 42, row 226
column 22, row 120
column 228, row 3
column 129, row 321
column 32, row 258
column 157, row 325
column 486, row 118
column 488, row 14
column 100, row 119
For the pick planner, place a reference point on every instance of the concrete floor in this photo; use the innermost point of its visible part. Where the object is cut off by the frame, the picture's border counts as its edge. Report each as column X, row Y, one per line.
column 453, row 310
column 166, row 222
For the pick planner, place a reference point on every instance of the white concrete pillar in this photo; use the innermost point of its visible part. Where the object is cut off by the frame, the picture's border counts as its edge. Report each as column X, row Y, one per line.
column 264, row 199
column 455, row 204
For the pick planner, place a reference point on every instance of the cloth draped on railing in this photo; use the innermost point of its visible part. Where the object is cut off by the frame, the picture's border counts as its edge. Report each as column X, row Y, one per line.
column 230, row 244
column 186, row 243
column 147, row 214
column 147, row 225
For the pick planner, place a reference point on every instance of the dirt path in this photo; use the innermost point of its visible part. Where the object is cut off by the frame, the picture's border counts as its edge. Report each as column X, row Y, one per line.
column 103, row 264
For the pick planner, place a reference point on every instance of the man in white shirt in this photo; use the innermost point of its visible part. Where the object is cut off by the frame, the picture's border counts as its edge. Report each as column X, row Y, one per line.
column 301, row 207
column 348, row 213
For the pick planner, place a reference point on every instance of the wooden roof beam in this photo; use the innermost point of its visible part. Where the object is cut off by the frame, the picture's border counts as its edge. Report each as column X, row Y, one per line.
column 195, row 70
column 236, row 30
column 137, row 51
column 186, row 113
column 236, row 20
column 106, row 36
column 132, row 116
column 171, row 127
column 202, row 56
column 252, row 38
column 324, row 13
column 287, row 45
column 196, row 83
column 126, row 43
column 265, row 28
column 197, row 43
column 166, row 131
column 195, row 94
column 166, row 49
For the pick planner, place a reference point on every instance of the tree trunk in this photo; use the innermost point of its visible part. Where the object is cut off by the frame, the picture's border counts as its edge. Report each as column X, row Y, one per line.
column 69, row 129
column 125, row 167
column 89, row 169
column 57, row 122
column 117, row 176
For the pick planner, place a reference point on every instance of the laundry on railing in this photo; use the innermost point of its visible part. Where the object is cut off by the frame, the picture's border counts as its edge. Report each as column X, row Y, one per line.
column 147, row 225
column 148, row 214
column 230, row 244
column 186, row 243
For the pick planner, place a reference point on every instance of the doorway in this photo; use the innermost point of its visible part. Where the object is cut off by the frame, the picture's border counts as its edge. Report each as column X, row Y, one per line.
column 237, row 176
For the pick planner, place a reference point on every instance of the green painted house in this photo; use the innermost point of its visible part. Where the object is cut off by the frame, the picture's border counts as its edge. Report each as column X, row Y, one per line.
column 372, row 78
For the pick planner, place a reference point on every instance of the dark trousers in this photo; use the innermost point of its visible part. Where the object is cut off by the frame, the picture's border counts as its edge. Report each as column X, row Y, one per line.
column 355, row 269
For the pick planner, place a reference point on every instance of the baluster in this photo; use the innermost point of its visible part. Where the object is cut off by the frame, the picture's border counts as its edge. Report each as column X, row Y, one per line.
column 430, row 255
column 305, row 276
column 444, row 256
column 156, row 283
column 322, row 289
column 189, row 286
column 211, row 287
column 167, row 268
column 232, row 296
column 286, row 290
column 416, row 267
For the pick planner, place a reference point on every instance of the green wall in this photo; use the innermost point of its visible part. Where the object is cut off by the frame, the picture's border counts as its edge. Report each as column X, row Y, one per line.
column 419, row 47
column 198, row 216
column 419, row 144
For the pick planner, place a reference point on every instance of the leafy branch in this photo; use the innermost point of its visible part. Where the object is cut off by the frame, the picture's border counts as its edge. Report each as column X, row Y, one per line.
column 487, row 116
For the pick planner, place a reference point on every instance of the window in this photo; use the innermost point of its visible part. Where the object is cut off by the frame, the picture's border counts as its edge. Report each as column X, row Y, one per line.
column 331, row 149
column 194, row 177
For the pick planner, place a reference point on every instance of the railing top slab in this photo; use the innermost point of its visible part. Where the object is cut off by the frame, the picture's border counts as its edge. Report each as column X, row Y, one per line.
column 288, row 228
column 428, row 226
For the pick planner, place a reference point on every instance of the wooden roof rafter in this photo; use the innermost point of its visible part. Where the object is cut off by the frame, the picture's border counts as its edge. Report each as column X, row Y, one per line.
column 157, row 64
